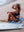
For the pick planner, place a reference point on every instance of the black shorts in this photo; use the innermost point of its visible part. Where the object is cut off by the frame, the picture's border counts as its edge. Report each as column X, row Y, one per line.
column 17, row 18
column 15, row 15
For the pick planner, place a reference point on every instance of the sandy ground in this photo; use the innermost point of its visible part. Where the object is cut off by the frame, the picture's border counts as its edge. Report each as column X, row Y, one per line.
column 21, row 30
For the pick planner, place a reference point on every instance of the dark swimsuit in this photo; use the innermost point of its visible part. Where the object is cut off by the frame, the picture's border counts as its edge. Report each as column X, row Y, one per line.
column 16, row 14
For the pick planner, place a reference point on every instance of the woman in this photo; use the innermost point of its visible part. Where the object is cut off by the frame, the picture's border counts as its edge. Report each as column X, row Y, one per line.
column 16, row 14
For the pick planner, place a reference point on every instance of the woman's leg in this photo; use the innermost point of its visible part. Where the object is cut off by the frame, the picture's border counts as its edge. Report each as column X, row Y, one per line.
column 13, row 17
column 9, row 17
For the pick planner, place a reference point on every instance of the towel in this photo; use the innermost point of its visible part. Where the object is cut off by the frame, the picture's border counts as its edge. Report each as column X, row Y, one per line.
column 20, row 21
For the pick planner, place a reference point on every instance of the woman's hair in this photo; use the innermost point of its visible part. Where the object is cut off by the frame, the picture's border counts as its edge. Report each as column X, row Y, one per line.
column 18, row 6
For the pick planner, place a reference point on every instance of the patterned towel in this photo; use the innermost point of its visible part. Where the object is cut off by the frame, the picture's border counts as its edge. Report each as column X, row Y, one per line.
column 20, row 20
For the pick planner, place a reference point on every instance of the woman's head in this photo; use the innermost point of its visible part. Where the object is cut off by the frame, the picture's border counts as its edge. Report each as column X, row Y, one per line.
column 15, row 6
column 18, row 6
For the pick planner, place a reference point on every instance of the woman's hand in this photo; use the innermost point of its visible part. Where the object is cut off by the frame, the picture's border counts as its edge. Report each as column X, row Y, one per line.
column 8, row 12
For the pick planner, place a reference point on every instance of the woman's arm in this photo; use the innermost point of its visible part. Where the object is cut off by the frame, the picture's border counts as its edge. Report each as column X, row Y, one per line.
column 12, row 12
